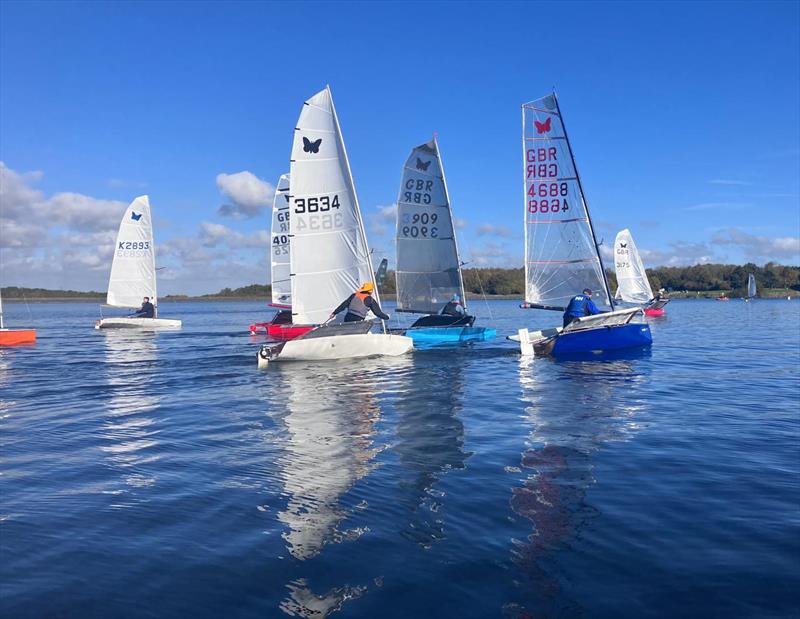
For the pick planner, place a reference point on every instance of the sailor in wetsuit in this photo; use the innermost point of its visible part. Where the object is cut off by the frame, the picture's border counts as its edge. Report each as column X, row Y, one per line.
column 147, row 310
column 580, row 305
column 453, row 307
column 358, row 305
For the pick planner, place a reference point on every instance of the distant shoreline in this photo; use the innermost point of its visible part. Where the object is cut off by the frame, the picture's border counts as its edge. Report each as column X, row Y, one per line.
column 771, row 294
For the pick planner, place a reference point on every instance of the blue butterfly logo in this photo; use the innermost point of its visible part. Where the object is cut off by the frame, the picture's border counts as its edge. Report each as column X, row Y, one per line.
column 135, row 217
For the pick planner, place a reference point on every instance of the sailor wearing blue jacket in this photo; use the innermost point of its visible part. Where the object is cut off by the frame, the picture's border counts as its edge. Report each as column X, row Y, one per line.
column 580, row 305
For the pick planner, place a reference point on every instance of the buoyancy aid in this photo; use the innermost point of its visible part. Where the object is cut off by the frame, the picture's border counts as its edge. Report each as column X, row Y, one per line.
column 358, row 304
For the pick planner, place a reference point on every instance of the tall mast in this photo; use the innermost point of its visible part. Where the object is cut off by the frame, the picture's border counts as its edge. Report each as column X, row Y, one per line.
column 361, row 231
column 583, row 197
column 452, row 221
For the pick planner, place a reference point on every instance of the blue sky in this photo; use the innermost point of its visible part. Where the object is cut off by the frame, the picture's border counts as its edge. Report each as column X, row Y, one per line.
column 684, row 119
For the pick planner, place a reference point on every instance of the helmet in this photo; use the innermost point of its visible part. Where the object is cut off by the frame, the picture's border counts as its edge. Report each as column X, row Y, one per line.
column 367, row 287
column 456, row 298
column 587, row 291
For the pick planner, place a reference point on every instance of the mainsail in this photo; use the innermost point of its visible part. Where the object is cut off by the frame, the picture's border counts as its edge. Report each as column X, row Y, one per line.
column 751, row 285
column 428, row 268
column 133, row 272
column 632, row 283
column 279, row 247
column 561, row 253
column 328, row 250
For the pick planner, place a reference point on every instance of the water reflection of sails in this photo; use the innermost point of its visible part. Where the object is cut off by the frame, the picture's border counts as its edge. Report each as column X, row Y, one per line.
column 574, row 409
column 130, row 432
column 431, row 442
column 331, row 411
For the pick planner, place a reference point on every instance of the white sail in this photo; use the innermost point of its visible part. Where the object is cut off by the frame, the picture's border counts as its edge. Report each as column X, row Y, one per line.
column 632, row 283
column 428, row 270
column 329, row 254
column 561, row 253
column 133, row 272
column 751, row 285
column 279, row 247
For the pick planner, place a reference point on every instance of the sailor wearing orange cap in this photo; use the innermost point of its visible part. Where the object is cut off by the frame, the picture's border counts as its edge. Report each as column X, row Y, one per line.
column 359, row 303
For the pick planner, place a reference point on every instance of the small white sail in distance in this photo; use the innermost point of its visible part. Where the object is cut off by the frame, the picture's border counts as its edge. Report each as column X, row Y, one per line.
column 751, row 286
column 632, row 283
column 329, row 253
column 280, row 280
column 133, row 271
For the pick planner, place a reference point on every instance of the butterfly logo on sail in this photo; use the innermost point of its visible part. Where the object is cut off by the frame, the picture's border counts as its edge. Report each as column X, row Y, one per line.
column 135, row 217
column 623, row 245
column 543, row 127
column 311, row 147
column 423, row 165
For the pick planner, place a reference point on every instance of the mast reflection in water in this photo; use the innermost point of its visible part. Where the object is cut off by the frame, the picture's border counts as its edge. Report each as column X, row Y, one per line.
column 595, row 403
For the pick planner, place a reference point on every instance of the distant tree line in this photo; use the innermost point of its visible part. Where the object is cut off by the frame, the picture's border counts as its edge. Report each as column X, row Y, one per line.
column 728, row 278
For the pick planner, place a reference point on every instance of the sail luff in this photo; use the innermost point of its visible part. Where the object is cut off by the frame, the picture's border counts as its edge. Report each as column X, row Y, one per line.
column 362, row 232
column 585, row 203
column 452, row 223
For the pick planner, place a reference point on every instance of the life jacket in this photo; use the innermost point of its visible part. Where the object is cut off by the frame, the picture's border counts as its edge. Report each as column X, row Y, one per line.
column 358, row 305
column 578, row 306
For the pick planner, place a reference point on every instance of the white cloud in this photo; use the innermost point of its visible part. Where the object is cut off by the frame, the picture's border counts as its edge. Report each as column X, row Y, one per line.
column 494, row 255
column 459, row 223
column 723, row 181
column 759, row 248
column 493, row 230
column 249, row 195
column 709, row 206
column 383, row 220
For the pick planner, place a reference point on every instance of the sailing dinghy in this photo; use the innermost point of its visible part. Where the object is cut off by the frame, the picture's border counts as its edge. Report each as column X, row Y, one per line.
column 428, row 273
column 751, row 287
column 328, row 253
column 632, row 283
column 133, row 271
column 281, row 326
column 562, row 254
column 14, row 337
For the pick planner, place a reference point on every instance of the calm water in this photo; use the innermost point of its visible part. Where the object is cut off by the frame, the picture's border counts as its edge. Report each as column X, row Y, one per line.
column 162, row 475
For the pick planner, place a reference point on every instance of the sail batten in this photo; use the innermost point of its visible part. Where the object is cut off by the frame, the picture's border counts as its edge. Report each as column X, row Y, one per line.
column 561, row 260
column 133, row 270
column 328, row 251
column 632, row 283
column 428, row 271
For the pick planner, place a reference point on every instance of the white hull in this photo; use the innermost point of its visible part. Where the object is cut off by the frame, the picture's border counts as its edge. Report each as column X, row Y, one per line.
column 124, row 322
column 342, row 347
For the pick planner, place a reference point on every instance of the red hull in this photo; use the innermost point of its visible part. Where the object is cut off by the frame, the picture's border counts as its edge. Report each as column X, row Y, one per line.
column 281, row 332
column 654, row 312
column 15, row 337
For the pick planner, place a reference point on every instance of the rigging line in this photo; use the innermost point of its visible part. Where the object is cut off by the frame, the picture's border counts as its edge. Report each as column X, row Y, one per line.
column 483, row 292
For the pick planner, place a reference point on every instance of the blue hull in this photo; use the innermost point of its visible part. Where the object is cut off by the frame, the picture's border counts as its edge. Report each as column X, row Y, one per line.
column 601, row 339
column 434, row 335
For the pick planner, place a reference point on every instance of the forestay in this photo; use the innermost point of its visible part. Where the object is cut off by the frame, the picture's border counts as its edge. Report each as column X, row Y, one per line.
column 562, row 257
column 279, row 247
column 133, row 272
column 328, row 250
column 428, row 271
column 632, row 283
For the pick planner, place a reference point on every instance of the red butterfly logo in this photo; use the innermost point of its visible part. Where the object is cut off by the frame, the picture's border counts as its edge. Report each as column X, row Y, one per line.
column 543, row 127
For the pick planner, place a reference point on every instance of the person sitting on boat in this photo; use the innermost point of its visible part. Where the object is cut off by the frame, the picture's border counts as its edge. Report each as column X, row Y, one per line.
column 579, row 306
column 453, row 307
column 147, row 310
column 359, row 303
